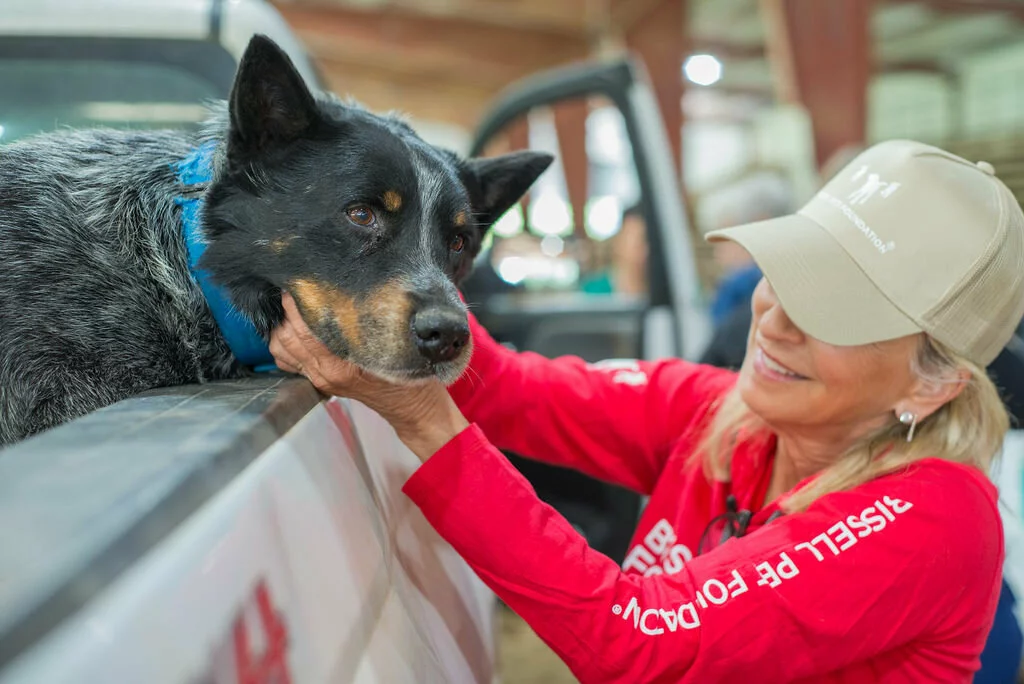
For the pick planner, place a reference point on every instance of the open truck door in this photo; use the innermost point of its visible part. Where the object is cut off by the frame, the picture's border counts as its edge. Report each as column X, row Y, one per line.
column 629, row 161
column 671, row 319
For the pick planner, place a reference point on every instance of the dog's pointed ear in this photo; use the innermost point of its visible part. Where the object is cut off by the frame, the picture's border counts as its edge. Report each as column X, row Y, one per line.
column 270, row 103
column 496, row 183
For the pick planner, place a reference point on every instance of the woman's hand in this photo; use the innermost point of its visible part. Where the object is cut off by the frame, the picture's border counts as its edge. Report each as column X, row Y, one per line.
column 422, row 413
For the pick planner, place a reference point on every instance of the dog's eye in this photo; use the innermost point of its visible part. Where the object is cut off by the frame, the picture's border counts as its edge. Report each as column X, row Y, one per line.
column 361, row 215
column 458, row 243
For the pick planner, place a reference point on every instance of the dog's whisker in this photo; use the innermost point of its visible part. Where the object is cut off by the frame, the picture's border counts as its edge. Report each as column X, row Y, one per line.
column 476, row 381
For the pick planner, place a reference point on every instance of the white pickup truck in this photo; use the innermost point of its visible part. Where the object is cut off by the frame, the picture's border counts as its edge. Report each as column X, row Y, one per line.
column 250, row 532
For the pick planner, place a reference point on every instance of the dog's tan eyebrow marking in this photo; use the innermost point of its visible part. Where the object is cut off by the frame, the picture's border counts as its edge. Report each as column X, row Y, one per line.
column 392, row 200
column 280, row 244
column 460, row 219
column 277, row 245
column 322, row 301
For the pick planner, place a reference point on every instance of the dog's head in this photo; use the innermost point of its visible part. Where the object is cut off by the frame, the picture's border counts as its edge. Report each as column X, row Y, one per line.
column 368, row 227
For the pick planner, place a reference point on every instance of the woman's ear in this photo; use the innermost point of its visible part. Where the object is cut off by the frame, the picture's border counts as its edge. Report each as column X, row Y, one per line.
column 928, row 395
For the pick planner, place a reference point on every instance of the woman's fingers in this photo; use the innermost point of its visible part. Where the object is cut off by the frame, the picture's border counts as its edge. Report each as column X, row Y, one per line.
column 297, row 350
column 299, row 328
column 286, row 347
column 291, row 311
column 296, row 344
column 284, row 358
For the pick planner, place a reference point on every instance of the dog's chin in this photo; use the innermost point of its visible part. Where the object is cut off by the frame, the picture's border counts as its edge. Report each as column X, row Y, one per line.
column 450, row 371
column 447, row 372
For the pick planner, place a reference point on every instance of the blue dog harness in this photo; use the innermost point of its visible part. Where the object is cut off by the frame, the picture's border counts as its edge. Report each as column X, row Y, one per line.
column 238, row 331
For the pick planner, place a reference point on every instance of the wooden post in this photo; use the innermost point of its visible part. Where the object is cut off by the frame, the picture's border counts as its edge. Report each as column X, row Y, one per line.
column 571, row 125
column 658, row 36
column 820, row 53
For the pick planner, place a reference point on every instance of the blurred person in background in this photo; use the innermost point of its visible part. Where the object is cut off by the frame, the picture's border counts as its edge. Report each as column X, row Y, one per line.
column 759, row 197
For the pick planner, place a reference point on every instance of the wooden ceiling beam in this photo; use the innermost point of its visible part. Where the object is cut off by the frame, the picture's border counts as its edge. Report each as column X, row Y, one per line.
column 564, row 17
column 660, row 38
column 427, row 63
column 1012, row 7
column 428, row 36
column 763, row 92
column 386, row 92
column 441, row 53
column 429, row 67
column 914, row 67
column 727, row 50
column 623, row 15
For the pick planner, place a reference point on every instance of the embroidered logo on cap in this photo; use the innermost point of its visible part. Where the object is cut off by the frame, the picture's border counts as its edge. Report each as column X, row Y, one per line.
column 872, row 185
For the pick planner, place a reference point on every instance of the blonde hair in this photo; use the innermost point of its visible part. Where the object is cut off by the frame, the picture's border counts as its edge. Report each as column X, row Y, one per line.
column 968, row 429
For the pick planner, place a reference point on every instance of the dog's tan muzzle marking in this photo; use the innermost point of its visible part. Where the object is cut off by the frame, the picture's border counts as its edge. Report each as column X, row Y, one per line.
column 324, row 301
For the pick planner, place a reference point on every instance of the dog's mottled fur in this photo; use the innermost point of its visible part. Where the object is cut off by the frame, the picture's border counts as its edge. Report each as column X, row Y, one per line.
column 96, row 299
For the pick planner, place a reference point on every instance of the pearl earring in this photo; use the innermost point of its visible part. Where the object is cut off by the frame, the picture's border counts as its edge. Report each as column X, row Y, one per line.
column 908, row 418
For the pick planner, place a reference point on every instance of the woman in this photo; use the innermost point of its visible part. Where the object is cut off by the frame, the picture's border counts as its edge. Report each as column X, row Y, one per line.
column 823, row 515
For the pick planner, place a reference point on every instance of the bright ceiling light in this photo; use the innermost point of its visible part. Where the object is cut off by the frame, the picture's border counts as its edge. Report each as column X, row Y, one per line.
column 514, row 269
column 604, row 217
column 703, row 69
column 552, row 246
column 550, row 214
column 511, row 222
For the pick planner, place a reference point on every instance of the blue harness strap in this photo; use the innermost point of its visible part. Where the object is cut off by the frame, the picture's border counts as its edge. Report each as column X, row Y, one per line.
column 238, row 331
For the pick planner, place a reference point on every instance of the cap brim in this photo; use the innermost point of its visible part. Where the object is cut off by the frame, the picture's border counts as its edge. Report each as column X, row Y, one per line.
column 819, row 285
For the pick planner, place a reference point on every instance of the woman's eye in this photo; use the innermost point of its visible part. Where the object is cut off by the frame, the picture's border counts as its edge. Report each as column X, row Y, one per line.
column 361, row 215
column 457, row 244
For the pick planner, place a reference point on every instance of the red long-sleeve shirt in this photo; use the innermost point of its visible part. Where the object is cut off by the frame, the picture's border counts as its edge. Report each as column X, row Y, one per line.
column 894, row 581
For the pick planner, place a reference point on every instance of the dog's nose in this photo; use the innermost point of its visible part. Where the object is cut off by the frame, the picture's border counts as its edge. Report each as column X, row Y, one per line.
column 440, row 335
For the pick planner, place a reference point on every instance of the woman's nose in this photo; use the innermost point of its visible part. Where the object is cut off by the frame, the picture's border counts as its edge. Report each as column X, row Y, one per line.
column 772, row 320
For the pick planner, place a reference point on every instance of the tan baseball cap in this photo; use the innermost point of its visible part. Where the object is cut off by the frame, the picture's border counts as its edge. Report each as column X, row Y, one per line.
column 907, row 238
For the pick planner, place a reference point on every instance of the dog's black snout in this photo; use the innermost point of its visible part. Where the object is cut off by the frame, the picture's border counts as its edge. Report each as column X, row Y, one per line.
column 440, row 335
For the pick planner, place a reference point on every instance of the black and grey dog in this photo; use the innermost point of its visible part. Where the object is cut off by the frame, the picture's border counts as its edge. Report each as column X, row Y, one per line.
column 368, row 226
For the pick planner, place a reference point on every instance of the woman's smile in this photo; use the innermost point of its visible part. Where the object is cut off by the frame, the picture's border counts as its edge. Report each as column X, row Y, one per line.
column 772, row 369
